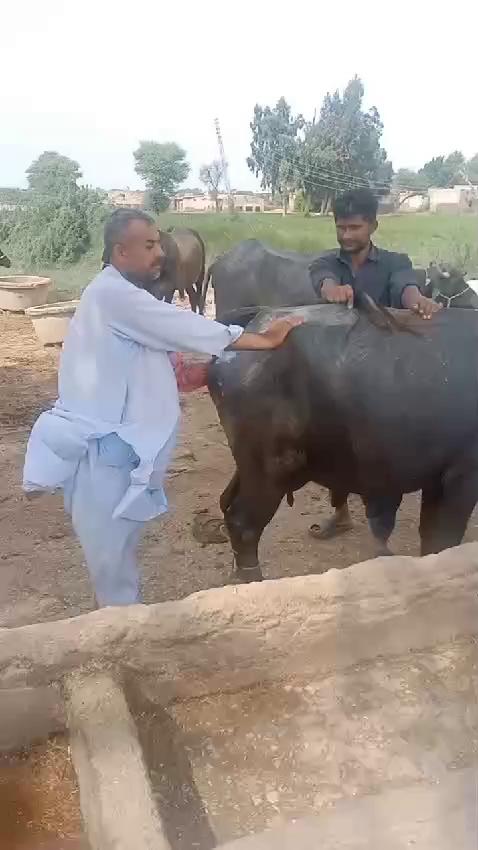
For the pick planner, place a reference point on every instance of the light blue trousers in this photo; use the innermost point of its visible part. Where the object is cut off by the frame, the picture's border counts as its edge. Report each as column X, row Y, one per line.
column 109, row 545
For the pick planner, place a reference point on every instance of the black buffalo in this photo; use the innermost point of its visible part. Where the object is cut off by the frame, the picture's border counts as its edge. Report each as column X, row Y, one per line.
column 447, row 286
column 377, row 403
column 252, row 275
column 4, row 261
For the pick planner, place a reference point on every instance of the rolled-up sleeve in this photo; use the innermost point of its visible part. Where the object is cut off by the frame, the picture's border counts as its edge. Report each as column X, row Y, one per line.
column 324, row 268
column 136, row 315
column 402, row 275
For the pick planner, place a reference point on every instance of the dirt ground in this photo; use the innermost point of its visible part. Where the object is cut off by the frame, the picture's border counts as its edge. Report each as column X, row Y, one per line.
column 39, row 805
column 42, row 575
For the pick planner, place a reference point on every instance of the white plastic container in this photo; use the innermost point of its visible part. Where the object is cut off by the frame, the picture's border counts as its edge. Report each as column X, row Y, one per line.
column 19, row 292
column 50, row 321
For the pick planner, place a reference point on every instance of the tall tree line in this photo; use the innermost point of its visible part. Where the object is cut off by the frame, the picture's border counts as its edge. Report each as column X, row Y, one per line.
column 339, row 149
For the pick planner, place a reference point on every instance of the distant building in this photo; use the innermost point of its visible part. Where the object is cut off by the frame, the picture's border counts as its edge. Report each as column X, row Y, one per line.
column 436, row 199
column 249, row 202
column 193, row 201
column 127, row 198
column 12, row 199
column 189, row 202
column 455, row 199
column 408, row 202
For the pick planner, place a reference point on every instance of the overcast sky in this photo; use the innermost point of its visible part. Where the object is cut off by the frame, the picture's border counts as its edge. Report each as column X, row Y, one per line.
column 90, row 79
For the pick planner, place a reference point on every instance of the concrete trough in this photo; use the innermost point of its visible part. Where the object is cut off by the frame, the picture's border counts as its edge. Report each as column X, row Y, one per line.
column 19, row 292
column 253, row 715
column 51, row 321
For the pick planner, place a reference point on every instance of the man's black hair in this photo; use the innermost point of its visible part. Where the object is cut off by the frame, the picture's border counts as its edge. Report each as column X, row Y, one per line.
column 356, row 202
column 116, row 227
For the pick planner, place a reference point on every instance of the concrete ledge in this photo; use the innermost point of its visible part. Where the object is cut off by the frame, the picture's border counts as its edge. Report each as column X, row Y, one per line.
column 115, row 795
column 437, row 817
column 235, row 637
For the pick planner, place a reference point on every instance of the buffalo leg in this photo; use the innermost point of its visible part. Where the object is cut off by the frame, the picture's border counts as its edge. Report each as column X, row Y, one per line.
column 229, row 493
column 446, row 511
column 193, row 298
column 337, row 524
column 431, row 501
column 381, row 515
column 247, row 509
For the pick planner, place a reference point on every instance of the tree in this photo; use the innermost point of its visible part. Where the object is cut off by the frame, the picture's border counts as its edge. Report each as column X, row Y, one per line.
column 407, row 183
column 60, row 228
column 342, row 149
column 163, row 168
column 212, row 175
column 472, row 169
column 55, row 228
column 275, row 148
column 53, row 173
column 443, row 172
column 406, row 180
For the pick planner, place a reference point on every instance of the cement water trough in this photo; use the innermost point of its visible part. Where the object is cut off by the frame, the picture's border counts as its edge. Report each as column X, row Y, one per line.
column 18, row 292
column 50, row 321
column 332, row 711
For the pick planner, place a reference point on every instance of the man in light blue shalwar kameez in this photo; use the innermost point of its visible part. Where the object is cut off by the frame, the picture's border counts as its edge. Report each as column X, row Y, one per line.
column 109, row 438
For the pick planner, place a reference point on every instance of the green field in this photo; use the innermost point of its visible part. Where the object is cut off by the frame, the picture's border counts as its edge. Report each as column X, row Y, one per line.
column 424, row 237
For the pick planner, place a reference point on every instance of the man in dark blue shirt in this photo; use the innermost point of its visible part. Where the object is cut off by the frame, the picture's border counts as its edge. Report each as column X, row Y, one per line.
column 387, row 277
column 359, row 266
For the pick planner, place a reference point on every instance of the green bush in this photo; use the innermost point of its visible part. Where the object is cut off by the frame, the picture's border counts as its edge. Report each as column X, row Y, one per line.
column 8, row 220
column 50, row 230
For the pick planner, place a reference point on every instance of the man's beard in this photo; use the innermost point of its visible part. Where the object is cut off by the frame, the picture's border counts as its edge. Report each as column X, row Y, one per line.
column 355, row 250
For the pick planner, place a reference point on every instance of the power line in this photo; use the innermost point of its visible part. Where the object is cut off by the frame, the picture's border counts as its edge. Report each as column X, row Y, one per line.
column 341, row 177
column 327, row 182
column 334, row 184
column 352, row 179
column 330, row 172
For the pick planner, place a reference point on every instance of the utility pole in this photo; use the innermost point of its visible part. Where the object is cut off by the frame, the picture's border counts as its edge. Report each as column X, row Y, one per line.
column 225, row 171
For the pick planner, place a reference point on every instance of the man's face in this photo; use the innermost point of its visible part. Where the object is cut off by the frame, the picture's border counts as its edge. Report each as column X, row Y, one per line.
column 354, row 233
column 139, row 254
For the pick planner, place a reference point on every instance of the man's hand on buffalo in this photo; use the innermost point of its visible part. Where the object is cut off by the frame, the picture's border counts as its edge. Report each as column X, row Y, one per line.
column 271, row 338
column 279, row 330
column 336, row 293
column 412, row 299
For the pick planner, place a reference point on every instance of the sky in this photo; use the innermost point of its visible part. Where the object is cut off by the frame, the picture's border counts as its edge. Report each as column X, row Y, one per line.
column 92, row 79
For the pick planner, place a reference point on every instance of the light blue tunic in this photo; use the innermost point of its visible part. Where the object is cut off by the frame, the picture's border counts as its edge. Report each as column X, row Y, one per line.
column 116, row 377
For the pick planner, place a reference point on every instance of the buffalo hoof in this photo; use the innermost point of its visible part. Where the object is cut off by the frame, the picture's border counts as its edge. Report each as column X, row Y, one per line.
column 381, row 550
column 246, row 575
column 333, row 527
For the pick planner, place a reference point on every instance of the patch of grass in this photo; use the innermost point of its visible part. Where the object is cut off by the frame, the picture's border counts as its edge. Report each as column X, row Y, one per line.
column 423, row 236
